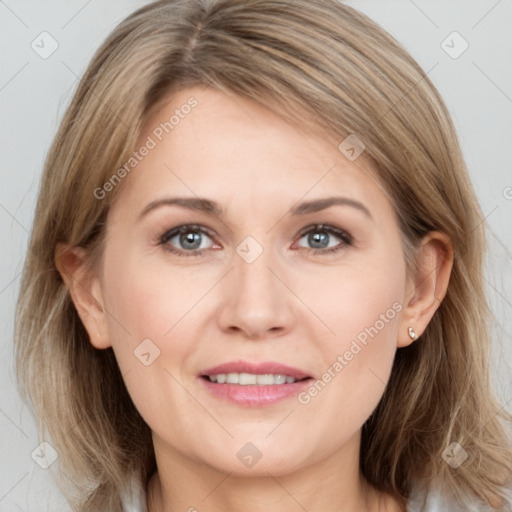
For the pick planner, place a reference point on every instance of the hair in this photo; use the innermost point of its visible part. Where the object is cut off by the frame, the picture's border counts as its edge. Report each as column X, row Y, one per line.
column 322, row 65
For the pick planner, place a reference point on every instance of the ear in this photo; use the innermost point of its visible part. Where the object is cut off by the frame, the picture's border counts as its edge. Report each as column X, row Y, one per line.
column 84, row 289
column 426, row 289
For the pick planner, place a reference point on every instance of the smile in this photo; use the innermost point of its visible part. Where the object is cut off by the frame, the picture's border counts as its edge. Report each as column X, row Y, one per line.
column 249, row 379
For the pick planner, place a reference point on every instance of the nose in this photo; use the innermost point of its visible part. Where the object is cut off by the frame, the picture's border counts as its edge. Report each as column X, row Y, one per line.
column 257, row 301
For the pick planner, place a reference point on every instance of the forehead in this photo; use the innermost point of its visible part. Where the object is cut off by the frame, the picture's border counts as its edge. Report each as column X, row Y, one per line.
column 207, row 143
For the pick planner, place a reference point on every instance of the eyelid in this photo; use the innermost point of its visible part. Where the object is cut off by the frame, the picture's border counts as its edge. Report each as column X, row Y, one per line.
column 341, row 233
column 183, row 228
column 345, row 237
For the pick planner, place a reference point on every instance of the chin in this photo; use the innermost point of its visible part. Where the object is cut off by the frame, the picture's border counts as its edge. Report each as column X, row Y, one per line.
column 258, row 459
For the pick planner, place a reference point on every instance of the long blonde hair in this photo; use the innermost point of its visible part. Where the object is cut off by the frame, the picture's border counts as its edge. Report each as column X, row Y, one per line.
column 318, row 60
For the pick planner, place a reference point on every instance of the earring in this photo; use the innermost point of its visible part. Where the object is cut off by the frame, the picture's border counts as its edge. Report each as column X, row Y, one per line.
column 412, row 334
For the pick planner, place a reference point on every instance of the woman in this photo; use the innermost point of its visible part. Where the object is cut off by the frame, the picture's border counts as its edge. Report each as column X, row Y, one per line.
column 322, row 341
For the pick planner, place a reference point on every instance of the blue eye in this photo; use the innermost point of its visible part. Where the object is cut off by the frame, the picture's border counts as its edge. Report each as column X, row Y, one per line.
column 320, row 236
column 189, row 236
column 190, row 239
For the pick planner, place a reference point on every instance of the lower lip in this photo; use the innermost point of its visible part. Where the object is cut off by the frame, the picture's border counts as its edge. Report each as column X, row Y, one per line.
column 254, row 395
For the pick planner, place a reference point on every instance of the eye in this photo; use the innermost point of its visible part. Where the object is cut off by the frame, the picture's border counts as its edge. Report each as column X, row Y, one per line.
column 320, row 237
column 186, row 240
column 192, row 239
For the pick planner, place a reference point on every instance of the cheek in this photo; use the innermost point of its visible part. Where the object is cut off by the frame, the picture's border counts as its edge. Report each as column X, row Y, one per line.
column 149, row 297
column 152, row 309
column 148, row 311
column 365, row 342
column 358, row 296
column 362, row 305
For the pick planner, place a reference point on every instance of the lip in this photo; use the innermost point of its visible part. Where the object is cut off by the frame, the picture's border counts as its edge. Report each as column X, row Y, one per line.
column 264, row 367
column 255, row 395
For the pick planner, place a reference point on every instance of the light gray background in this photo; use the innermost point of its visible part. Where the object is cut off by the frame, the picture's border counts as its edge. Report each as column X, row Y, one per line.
column 477, row 87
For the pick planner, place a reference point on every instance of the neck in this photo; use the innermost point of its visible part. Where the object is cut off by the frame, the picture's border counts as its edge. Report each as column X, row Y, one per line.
column 184, row 484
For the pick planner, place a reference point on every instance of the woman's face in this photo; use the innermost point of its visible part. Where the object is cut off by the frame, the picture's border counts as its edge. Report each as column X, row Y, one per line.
column 258, row 284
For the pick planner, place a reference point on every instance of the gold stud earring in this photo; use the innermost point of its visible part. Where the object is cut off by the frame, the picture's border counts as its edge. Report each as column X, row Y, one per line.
column 412, row 334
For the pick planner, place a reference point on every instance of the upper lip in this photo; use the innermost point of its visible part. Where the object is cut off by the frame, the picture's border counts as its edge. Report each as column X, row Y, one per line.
column 266, row 367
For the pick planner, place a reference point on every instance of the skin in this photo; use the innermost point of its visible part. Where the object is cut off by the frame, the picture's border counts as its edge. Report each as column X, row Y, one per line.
column 290, row 305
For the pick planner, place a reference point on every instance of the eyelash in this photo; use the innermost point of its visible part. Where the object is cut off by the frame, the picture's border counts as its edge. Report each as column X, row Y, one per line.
column 344, row 236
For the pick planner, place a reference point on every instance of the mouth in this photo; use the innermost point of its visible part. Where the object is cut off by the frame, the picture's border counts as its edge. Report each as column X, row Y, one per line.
column 251, row 384
column 249, row 373
column 251, row 379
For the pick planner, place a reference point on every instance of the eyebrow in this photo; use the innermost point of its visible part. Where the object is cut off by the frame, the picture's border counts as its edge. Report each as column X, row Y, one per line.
column 212, row 208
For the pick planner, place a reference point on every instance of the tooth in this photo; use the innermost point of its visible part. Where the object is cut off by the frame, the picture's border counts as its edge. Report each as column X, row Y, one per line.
column 265, row 380
column 246, row 378
column 232, row 378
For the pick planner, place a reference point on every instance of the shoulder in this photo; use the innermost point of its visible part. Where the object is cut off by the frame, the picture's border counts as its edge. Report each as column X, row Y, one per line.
column 427, row 500
column 422, row 499
column 432, row 498
column 133, row 498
